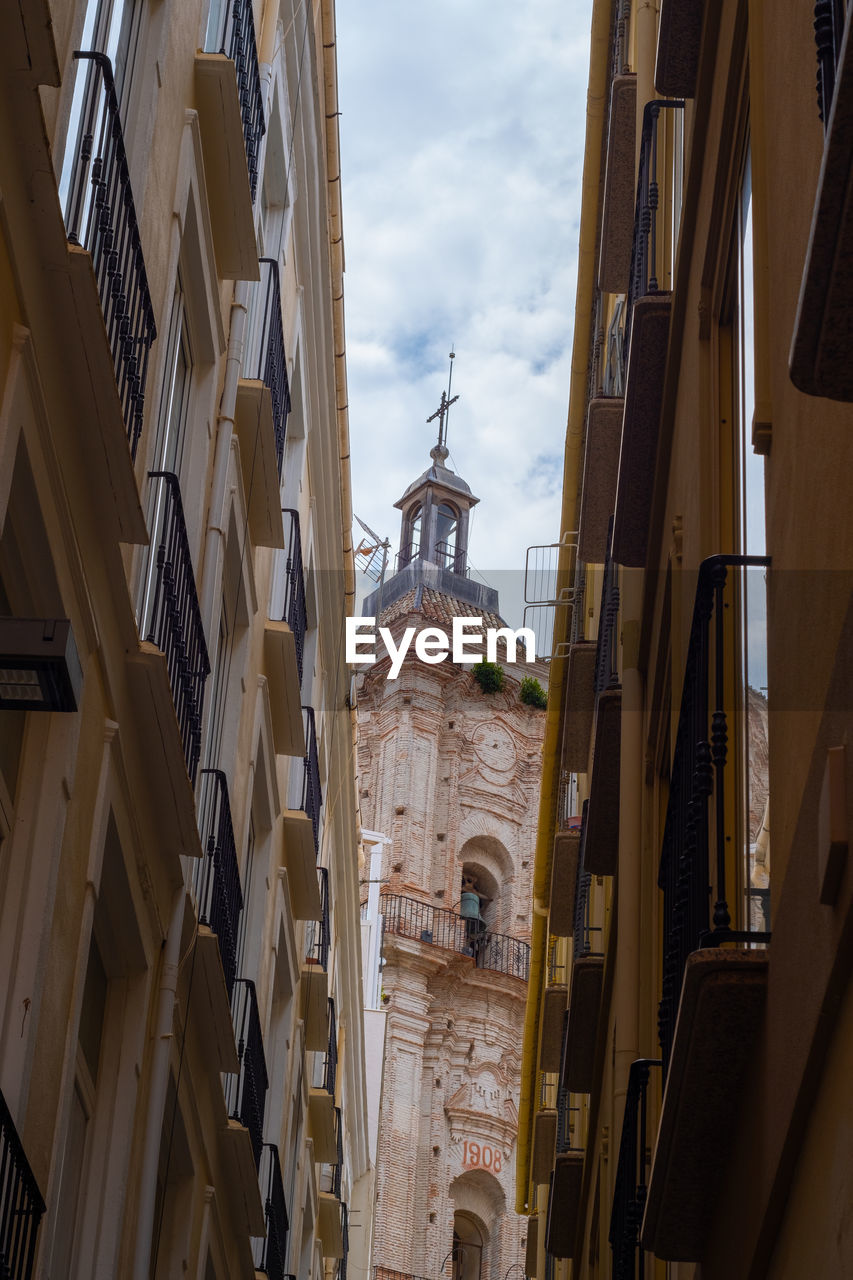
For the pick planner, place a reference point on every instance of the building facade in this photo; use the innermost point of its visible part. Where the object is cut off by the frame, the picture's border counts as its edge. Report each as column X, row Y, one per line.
column 182, row 1083
column 448, row 778
column 683, row 1107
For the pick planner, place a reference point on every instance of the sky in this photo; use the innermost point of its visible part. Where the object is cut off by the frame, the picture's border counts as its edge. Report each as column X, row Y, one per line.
column 462, row 133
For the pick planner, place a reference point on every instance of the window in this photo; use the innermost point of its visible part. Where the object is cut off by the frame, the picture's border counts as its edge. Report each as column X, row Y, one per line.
column 446, row 527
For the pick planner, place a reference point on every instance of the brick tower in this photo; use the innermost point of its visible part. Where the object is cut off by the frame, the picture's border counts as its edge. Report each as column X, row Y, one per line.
column 451, row 775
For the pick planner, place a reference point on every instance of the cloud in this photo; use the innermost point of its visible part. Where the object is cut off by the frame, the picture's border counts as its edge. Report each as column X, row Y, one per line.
column 462, row 135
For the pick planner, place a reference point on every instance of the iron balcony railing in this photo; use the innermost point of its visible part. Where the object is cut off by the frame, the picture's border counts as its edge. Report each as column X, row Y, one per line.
column 331, row 1173
column 295, row 612
column 175, row 621
column 270, row 1254
column 216, row 878
column 21, row 1204
column 447, row 557
column 829, row 17
column 410, row 918
column 688, row 875
column 101, row 217
column 342, row 1262
column 629, row 1194
column 388, row 1273
column 330, row 1058
column 265, row 359
column 648, row 229
column 556, row 967
column 318, row 937
column 607, row 654
column 312, row 793
column 235, row 38
column 406, row 555
column 246, row 1092
column 564, row 1122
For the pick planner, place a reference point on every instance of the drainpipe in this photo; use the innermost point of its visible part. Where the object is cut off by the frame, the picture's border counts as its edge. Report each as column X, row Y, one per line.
column 572, row 466
column 157, row 1090
column 336, row 251
column 214, row 546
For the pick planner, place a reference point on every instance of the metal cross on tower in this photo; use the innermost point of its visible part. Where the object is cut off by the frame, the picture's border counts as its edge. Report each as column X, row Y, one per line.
column 443, row 410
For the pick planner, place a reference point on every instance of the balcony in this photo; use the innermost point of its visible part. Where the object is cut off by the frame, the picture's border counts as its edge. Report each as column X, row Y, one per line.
column 646, row 341
column 284, row 647
column 580, row 704
column 544, row 1135
column 262, row 408
column 112, row 322
column 21, row 1204
column 617, row 215
column 439, row 927
column 714, row 976
column 314, row 975
column 581, row 1030
column 231, row 115
column 168, row 671
column 600, row 472
column 565, row 1187
column 601, row 827
column 175, row 624
column 302, row 826
column 245, row 1100
column 321, row 1096
column 679, row 38
column 820, row 364
column 219, row 902
column 629, row 1194
column 331, row 1214
column 270, row 1254
column 564, row 874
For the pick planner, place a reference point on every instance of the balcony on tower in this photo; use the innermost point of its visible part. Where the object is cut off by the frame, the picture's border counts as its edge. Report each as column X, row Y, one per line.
column 231, row 115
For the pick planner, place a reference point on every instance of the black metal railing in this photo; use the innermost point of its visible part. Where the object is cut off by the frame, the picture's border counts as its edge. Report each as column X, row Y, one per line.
column 175, row 624
column 21, row 1204
column 648, row 231
column 406, row 555
column 100, row 215
column 607, row 653
column 236, row 39
column 295, row 611
column 270, row 1254
column 332, row 1172
column 629, row 1195
column 565, row 1112
column 265, row 359
column 246, row 1092
column 311, row 801
column 342, row 1261
column 829, row 19
column 330, row 1058
column 410, row 918
column 687, row 875
column 318, row 935
column 586, row 937
column 556, row 966
column 447, row 557
column 216, row 877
